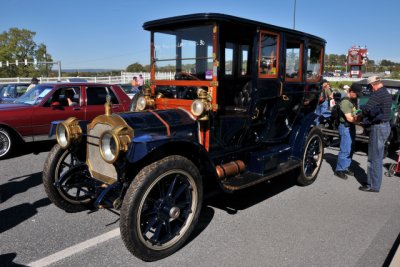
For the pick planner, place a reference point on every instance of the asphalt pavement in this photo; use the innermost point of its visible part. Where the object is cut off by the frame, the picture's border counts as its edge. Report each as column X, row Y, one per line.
column 329, row 223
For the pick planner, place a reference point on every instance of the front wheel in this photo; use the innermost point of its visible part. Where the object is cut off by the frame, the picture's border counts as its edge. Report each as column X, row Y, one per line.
column 161, row 208
column 312, row 158
column 73, row 193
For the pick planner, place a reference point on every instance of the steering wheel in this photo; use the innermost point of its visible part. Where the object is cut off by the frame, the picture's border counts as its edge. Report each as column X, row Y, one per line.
column 185, row 76
column 186, row 92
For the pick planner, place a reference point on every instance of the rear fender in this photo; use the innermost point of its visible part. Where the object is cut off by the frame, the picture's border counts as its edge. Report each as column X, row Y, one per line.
column 298, row 136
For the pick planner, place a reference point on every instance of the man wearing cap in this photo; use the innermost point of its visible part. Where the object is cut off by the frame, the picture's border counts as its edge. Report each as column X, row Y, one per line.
column 347, row 133
column 380, row 130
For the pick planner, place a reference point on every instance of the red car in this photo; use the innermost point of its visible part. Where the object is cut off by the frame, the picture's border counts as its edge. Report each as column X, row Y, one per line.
column 29, row 117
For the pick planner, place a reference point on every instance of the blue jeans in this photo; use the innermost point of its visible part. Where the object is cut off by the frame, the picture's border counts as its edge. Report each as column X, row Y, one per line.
column 347, row 136
column 377, row 138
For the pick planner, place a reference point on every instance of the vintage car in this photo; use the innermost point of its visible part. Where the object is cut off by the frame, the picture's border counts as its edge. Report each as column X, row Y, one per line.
column 28, row 118
column 240, row 111
column 10, row 91
column 362, row 131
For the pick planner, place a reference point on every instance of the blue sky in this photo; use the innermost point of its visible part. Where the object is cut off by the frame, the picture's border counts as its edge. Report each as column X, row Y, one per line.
column 109, row 34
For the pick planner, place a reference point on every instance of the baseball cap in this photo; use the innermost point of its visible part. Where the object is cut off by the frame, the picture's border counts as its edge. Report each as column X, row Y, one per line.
column 373, row 79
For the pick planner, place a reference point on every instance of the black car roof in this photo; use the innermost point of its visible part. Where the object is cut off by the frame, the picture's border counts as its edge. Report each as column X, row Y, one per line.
column 198, row 18
column 386, row 82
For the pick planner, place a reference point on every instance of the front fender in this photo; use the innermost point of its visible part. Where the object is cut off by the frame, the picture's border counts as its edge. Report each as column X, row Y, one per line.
column 144, row 145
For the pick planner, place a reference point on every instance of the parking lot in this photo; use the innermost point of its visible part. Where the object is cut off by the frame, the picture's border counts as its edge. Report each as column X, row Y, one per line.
column 330, row 223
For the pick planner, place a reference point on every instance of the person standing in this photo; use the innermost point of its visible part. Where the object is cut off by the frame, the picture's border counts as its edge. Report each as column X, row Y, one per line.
column 140, row 81
column 326, row 95
column 380, row 129
column 34, row 82
column 347, row 133
column 134, row 84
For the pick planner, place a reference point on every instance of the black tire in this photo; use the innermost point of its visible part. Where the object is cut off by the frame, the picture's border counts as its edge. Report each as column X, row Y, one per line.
column 6, row 143
column 312, row 158
column 68, row 197
column 152, row 204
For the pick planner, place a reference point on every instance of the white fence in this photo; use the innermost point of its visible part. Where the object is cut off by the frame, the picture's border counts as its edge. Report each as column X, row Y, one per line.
column 125, row 77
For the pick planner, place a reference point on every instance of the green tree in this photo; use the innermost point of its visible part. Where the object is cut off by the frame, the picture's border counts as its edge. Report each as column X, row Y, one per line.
column 18, row 44
column 135, row 67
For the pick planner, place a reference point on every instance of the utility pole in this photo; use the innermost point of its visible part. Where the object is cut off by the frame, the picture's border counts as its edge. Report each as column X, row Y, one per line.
column 294, row 15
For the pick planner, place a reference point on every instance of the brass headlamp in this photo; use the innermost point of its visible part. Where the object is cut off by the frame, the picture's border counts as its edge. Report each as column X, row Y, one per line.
column 201, row 106
column 114, row 141
column 68, row 132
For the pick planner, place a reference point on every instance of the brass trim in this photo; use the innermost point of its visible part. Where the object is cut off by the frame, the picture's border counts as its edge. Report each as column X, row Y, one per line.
column 103, row 178
column 113, row 120
column 119, row 128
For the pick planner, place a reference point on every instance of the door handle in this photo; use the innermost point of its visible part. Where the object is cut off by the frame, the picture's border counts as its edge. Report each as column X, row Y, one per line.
column 76, row 109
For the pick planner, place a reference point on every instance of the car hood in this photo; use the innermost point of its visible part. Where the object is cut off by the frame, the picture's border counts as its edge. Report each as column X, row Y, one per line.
column 14, row 106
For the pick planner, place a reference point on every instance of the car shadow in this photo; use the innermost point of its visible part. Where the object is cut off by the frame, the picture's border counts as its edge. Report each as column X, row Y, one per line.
column 239, row 200
column 243, row 199
column 35, row 148
column 359, row 173
column 19, row 185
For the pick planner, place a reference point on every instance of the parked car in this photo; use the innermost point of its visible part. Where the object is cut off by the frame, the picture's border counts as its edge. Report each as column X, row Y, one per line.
column 10, row 91
column 235, row 119
column 29, row 117
column 362, row 132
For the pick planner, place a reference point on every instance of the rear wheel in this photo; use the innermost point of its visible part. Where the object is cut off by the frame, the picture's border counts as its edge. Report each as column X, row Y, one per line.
column 312, row 158
column 73, row 194
column 6, row 143
column 161, row 208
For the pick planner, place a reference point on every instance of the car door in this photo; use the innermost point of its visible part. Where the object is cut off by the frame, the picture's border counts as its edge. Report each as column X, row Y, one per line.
column 95, row 99
column 55, row 107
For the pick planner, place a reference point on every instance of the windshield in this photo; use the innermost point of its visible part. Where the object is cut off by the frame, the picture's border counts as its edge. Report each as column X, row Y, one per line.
column 35, row 95
column 187, row 50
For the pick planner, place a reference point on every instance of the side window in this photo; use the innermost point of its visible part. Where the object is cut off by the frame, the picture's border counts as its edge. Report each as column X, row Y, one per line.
column 269, row 55
column 314, row 60
column 66, row 96
column 229, row 59
column 244, row 60
column 293, row 61
column 96, row 95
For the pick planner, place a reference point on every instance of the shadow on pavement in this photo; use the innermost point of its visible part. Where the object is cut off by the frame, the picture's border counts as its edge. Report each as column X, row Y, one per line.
column 359, row 173
column 6, row 260
column 243, row 199
column 36, row 148
column 15, row 215
column 19, row 185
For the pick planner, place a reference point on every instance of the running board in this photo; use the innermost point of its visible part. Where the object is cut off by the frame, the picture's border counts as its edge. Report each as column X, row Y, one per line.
column 248, row 179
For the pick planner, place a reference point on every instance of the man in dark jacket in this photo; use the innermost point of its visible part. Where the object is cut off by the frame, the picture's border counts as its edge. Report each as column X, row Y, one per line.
column 380, row 129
